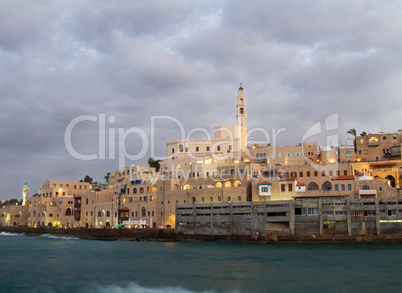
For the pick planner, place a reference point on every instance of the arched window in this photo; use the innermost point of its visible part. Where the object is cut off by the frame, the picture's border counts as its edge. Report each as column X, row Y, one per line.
column 135, row 190
column 228, row 184
column 241, row 110
column 227, row 172
column 193, row 200
column 366, row 187
column 50, row 215
column 232, row 172
column 186, row 187
column 86, row 201
column 237, row 183
column 312, row 186
column 241, row 101
column 180, row 148
column 142, row 190
column 327, row 186
column 143, row 212
column 264, row 156
column 218, row 184
column 107, row 214
column 99, row 214
column 68, row 212
column 176, row 187
column 257, row 157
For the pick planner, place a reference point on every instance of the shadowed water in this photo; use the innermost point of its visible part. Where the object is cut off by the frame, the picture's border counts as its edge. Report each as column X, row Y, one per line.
column 49, row 264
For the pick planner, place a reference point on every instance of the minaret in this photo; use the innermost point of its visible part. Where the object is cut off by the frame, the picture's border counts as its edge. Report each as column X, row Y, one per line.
column 242, row 118
column 25, row 192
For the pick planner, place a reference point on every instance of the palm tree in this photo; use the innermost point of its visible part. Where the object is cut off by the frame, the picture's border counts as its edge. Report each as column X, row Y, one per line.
column 352, row 131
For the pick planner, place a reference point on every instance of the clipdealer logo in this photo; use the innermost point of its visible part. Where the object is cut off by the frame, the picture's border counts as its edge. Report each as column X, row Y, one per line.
column 107, row 139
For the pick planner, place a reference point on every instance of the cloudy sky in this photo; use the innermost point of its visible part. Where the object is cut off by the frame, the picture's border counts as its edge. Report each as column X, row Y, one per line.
column 124, row 62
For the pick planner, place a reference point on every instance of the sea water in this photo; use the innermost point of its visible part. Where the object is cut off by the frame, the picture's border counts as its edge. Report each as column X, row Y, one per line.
column 51, row 264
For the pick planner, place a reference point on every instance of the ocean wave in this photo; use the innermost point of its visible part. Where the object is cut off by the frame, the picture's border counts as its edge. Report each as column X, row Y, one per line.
column 135, row 288
column 11, row 234
column 57, row 237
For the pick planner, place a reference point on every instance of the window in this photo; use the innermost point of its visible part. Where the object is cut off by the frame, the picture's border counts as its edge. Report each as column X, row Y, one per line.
column 239, row 198
column 271, row 156
column 301, row 173
column 327, row 186
column 348, row 154
column 315, row 174
column 336, row 187
column 343, row 187
column 279, row 155
column 297, row 154
column 366, row 187
column 312, row 211
column 207, row 148
column 99, row 214
column 290, row 187
column 264, row 189
column 308, row 174
column 282, row 187
column 312, row 186
column 186, row 150
column 218, row 148
column 180, row 148
column 349, row 186
column 289, row 155
column 197, row 149
column 380, row 189
column 143, row 212
column 172, row 150
column 330, row 173
column 108, row 214
column 229, row 198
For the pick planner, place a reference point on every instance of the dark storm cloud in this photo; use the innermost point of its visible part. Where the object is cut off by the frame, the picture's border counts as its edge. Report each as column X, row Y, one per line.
column 299, row 61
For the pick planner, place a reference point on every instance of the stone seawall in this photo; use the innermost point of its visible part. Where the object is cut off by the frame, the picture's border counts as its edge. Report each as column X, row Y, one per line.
column 99, row 234
column 170, row 235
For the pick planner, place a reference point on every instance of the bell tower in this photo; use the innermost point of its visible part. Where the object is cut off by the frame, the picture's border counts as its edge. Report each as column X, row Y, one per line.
column 241, row 118
column 25, row 192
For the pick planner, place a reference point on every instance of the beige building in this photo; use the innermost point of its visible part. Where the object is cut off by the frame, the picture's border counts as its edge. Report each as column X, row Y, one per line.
column 199, row 158
column 54, row 203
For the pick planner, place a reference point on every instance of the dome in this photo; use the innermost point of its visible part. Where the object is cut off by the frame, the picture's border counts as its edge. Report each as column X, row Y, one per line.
column 365, row 177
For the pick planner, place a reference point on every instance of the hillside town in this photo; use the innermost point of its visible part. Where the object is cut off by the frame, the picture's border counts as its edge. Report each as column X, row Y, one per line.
column 223, row 170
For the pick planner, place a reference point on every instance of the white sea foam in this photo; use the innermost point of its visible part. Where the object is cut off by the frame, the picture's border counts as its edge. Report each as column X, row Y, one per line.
column 11, row 234
column 135, row 288
column 57, row 237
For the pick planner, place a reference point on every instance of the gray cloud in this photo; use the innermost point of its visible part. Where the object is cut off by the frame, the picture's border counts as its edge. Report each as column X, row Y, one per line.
column 299, row 61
